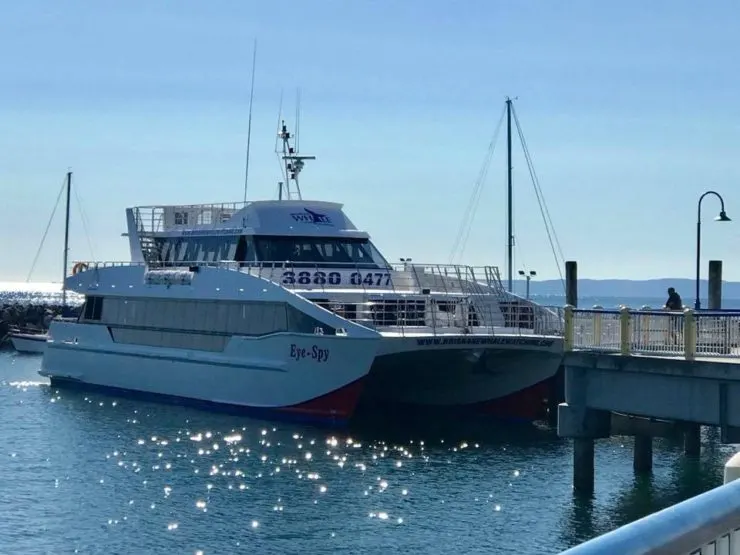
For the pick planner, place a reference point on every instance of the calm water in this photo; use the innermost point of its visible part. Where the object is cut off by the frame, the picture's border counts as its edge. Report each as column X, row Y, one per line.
column 89, row 473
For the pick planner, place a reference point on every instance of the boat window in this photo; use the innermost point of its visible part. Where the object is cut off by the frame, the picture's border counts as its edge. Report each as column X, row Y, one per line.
column 93, row 308
column 201, row 317
column 198, row 248
column 321, row 251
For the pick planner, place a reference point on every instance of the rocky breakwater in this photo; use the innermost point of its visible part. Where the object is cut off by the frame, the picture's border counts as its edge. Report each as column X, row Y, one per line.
column 30, row 317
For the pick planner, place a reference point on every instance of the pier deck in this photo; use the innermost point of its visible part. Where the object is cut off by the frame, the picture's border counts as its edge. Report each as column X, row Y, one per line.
column 658, row 365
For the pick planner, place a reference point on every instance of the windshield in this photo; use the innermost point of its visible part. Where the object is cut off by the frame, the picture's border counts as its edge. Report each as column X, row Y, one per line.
column 324, row 251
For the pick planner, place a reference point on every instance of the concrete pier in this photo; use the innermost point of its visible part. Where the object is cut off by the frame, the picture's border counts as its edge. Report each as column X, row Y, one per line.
column 663, row 372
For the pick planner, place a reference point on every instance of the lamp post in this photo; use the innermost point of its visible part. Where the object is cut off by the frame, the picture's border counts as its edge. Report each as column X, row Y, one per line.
column 528, row 276
column 721, row 218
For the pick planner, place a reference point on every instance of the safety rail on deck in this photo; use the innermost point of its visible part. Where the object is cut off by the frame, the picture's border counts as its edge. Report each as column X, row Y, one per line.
column 454, row 297
column 155, row 219
column 686, row 333
column 707, row 523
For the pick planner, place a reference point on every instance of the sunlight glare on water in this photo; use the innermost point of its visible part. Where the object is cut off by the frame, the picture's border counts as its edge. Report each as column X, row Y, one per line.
column 98, row 474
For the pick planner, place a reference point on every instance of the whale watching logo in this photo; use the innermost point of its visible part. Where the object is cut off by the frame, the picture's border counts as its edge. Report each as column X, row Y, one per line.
column 311, row 217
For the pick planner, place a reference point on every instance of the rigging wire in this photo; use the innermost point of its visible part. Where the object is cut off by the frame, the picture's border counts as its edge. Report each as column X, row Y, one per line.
column 536, row 181
column 46, row 231
column 549, row 227
column 84, row 220
column 458, row 247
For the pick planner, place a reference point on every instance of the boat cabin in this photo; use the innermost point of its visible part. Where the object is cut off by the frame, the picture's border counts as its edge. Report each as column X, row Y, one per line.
column 300, row 233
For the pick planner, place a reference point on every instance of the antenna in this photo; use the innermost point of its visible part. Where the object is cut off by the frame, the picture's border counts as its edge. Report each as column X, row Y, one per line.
column 297, row 119
column 249, row 125
column 277, row 139
column 292, row 161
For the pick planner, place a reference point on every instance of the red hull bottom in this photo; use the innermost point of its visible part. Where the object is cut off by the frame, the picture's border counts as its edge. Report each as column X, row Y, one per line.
column 339, row 404
column 333, row 408
column 527, row 404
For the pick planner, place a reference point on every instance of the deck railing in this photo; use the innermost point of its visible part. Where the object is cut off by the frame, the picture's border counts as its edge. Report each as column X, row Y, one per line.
column 687, row 333
column 707, row 523
column 155, row 219
column 406, row 298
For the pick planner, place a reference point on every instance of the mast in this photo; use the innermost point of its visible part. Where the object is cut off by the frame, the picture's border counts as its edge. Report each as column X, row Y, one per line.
column 509, row 215
column 293, row 162
column 66, row 240
column 249, row 125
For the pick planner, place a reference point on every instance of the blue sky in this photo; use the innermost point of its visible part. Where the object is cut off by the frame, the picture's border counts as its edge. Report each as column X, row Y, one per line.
column 629, row 109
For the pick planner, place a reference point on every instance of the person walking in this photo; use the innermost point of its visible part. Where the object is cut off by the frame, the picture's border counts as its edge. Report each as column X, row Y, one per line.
column 675, row 325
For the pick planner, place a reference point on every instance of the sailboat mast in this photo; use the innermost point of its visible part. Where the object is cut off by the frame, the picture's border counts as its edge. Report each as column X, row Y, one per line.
column 249, row 125
column 509, row 215
column 66, row 240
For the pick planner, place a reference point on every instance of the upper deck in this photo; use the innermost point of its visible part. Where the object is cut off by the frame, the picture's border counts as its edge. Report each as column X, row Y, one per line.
column 265, row 217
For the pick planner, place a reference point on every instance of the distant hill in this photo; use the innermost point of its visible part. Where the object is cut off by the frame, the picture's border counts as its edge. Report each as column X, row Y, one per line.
column 628, row 288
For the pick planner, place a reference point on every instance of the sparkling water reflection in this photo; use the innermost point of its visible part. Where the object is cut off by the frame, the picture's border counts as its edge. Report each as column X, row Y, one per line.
column 91, row 473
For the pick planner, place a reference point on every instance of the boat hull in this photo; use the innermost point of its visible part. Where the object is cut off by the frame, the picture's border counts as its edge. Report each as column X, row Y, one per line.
column 256, row 375
column 508, row 380
column 29, row 342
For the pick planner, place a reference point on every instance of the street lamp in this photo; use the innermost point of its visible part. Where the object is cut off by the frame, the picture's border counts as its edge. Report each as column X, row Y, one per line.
column 721, row 218
column 528, row 276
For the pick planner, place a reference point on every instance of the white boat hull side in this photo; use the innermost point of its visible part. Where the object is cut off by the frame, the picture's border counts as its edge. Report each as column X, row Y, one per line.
column 261, row 373
column 29, row 342
column 448, row 375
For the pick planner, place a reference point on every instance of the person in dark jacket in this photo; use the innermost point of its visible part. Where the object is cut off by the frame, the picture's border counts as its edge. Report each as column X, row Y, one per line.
column 674, row 301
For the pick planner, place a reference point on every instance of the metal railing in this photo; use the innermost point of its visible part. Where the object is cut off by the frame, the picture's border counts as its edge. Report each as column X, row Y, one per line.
column 685, row 333
column 418, row 298
column 707, row 523
column 154, row 219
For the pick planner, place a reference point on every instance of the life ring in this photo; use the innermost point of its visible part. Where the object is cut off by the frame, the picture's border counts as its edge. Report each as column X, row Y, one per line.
column 79, row 267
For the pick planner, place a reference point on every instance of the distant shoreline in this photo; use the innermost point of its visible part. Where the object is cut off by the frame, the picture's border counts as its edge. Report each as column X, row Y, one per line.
column 601, row 288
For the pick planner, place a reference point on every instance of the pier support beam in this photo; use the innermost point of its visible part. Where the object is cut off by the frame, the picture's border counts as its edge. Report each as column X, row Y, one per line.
column 555, row 396
column 715, row 285
column 629, row 425
column 571, row 283
column 692, row 440
column 643, row 454
column 729, row 434
column 584, row 426
column 583, row 464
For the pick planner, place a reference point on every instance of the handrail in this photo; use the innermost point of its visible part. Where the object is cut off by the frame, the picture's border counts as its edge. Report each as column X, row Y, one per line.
column 657, row 311
column 686, row 333
column 681, row 529
column 707, row 523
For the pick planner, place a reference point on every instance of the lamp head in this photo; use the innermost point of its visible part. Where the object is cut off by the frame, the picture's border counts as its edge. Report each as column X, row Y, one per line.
column 723, row 217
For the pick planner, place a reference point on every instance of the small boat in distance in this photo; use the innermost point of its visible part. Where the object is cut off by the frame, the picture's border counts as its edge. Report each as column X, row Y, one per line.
column 34, row 341
column 28, row 341
column 284, row 307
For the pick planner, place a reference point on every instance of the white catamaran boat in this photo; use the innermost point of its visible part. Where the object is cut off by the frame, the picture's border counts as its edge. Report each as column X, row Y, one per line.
column 284, row 305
